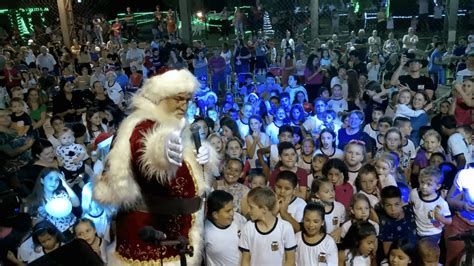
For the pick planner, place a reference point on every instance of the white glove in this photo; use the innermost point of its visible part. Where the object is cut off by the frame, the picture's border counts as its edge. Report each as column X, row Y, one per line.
column 174, row 146
column 203, row 155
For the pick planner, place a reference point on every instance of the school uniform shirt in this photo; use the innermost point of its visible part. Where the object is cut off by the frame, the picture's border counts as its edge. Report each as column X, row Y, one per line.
column 335, row 217
column 267, row 248
column 302, row 163
column 324, row 252
column 409, row 149
column 388, row 180
column 357, row 260
column 312, row 124
column 222, row 244
column 426, row 224
column 243, row 128
column 457, row 146
column 339, row 154
column 272, row 131
column 352, row 178
column 338, row 105
column 372, row 132
column 345, row 227
column 373, row 199
column 274, row 157
column 296, row 209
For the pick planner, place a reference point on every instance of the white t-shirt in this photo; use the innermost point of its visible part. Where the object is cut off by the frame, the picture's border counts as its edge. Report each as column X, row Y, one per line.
column 371, row 131
column 222, row 244
column 409, row 149
column 335, row 217
column 463, row 182
column 243, row 128
column 274, row 157
column 339, row 154
column 426, row 224
column 339, row 105
column 312, row 124
column 27, row 252
column 403, row 110
column 345, row 227
column 352, row 178
column 388, row 180
column 357, row 260
column 114, row 92
column 456, row 146
column 324, row 252
column 374, row 200
column 267, row 248
column 272, row 131
column 373, row 71
column 296, row 209
column 464, row 73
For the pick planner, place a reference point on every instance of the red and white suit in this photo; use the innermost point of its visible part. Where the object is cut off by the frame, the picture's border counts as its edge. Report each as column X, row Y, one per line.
column 138, row 177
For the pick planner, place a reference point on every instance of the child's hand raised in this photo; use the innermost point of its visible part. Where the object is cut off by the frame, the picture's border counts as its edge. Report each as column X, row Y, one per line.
column 283, row 204
column 437, row 214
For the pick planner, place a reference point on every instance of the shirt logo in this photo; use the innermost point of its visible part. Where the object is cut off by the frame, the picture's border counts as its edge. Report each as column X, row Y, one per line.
column 275, row 246
column 322, row 257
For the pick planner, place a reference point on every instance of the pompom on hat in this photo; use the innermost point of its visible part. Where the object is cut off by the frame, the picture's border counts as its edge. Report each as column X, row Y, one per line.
column 168, row 84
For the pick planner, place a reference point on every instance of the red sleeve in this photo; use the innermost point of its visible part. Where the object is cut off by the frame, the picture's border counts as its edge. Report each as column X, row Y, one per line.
column 273, row 174
column 302, row 177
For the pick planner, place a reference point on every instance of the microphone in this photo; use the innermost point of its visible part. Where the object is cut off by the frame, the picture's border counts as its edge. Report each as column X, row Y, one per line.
column 195, row 132
column 151, row 235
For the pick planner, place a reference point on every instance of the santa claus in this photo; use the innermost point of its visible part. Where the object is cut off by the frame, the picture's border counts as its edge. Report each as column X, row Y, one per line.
column 155, row 175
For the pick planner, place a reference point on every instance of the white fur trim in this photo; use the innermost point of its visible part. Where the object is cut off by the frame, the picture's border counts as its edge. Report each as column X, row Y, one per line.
column 168, row 84
column 153, row 163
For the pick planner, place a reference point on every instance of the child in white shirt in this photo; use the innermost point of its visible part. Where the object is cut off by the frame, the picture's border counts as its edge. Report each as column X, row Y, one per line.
column 221, row 230
column 431, row 210
column 266, row 240
column 314, row 246
column 337, row 103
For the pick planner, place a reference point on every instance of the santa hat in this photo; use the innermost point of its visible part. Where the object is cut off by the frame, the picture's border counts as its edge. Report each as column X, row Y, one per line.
column 168, row 84
column 101, row 137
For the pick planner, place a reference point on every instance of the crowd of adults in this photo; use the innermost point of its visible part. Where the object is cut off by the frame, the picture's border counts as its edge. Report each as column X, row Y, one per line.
column 342, row 104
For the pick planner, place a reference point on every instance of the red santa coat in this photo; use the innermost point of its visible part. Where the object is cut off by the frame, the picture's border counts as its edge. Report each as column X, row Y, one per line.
column 137, row 169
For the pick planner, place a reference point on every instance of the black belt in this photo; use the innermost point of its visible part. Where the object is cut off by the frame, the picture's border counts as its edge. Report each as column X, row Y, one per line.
column 170, row 206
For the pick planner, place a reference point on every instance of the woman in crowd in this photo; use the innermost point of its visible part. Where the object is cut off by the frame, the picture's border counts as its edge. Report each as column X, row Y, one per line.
column 68, row 104
column 37, row 111
column 313, row 76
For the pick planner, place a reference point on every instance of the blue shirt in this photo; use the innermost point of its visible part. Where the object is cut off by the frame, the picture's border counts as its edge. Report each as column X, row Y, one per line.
column 433, row 67
column 392, row 230
column 416, row 124
column 122, row 80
